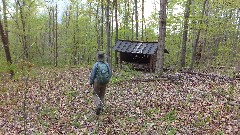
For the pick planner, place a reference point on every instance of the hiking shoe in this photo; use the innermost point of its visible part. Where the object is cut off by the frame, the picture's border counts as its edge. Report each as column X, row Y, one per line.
column 98, row 110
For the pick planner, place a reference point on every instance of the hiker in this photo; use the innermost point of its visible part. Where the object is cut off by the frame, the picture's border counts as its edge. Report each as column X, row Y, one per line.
column 99, row 78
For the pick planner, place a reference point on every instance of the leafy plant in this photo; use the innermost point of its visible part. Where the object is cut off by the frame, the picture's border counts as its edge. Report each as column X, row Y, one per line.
column 170, row 116
column 172, row 131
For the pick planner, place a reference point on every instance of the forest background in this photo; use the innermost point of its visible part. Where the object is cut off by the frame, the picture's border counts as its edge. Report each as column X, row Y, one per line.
column 205, row 33
column 49, row 47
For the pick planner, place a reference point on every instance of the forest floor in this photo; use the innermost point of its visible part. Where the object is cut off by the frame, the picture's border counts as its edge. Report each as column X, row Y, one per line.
column 59, row 102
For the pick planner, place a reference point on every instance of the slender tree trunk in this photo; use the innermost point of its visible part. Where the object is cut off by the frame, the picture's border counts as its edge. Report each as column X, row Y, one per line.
column 102, row 24
column 194, row 33
column 43, row 44
column 53, row 36
column 205, row 33
column 143, row 20
column 68, row 16
column 116, row 38
column 75, row 33
column 162, row 35
column 50, row 28
column 185, row 33
column 217, row 37
column 97, row 28
column 112, row 32
column 238, row 28
column 126, row 20
column 17, row 40
column 136, row 17
column 24, row 37
column 108, row 33
column 196, row 54
column 216, row 46
column 234, row 45
column 116, row 19
column 56, row 39
column 78, row 33
column 132, row 26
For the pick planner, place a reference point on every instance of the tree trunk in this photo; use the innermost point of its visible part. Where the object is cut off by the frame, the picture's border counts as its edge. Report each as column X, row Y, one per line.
column 234, row 45
column 205, row 33
column 24, row 37
column 53, row 36
column 217, row 36
column 196, row 54
column 132, row 25
column 143, row 19
column 5, row 41
column 17, row 40
column 162, row 35
column 56, row 39
column 97, row 28
column 185, row 33
column 42, row 42
column 78, row 33
column 116, row 38
column 116, row 19
column 126, row 20
column 50, row 28
column 102, row 24
column 4, row 37
column 75, row 38
column 112, row 32
column 238, row 67
column 108, row 32
column 136, row 17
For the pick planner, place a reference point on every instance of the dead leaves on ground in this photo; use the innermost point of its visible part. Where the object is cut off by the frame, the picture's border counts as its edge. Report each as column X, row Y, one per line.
column 58, row 102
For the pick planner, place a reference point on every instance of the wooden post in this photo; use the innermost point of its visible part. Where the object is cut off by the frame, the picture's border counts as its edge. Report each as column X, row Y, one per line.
column 151, row 63
column 116, row 59
column 120, row 60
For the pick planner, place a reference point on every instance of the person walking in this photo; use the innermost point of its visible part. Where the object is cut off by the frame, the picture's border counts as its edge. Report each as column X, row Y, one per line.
column 99, row 78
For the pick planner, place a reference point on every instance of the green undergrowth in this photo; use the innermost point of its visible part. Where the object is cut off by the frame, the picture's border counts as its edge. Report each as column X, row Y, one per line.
column 124, row 75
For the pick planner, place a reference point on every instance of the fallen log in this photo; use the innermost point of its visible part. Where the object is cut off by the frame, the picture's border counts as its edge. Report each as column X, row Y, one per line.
column 208, row 75
column 232, row 103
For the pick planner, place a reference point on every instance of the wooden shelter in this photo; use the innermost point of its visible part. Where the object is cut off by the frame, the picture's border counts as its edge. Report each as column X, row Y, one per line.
column 142, row 55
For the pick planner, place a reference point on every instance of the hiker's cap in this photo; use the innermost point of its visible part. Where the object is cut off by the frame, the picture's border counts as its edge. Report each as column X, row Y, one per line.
column 101, row 56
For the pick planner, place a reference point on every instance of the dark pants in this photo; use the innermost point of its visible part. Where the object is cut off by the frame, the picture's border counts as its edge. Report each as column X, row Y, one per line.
column 99, row 93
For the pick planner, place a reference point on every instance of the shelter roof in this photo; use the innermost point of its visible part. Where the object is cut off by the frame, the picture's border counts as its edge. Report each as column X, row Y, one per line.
column 136, row 47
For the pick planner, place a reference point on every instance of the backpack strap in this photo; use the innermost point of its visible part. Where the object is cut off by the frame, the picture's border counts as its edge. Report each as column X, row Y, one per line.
column 97, row 67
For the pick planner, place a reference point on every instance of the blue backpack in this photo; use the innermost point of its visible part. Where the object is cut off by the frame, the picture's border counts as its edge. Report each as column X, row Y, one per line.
column 102, row 74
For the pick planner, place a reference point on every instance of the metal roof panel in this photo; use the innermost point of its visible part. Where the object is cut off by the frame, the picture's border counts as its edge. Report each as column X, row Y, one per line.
column 121, row 46
column 136, row 47
column 117, row 45
column 131, row 47
column 146, row 49
column 126, row 46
